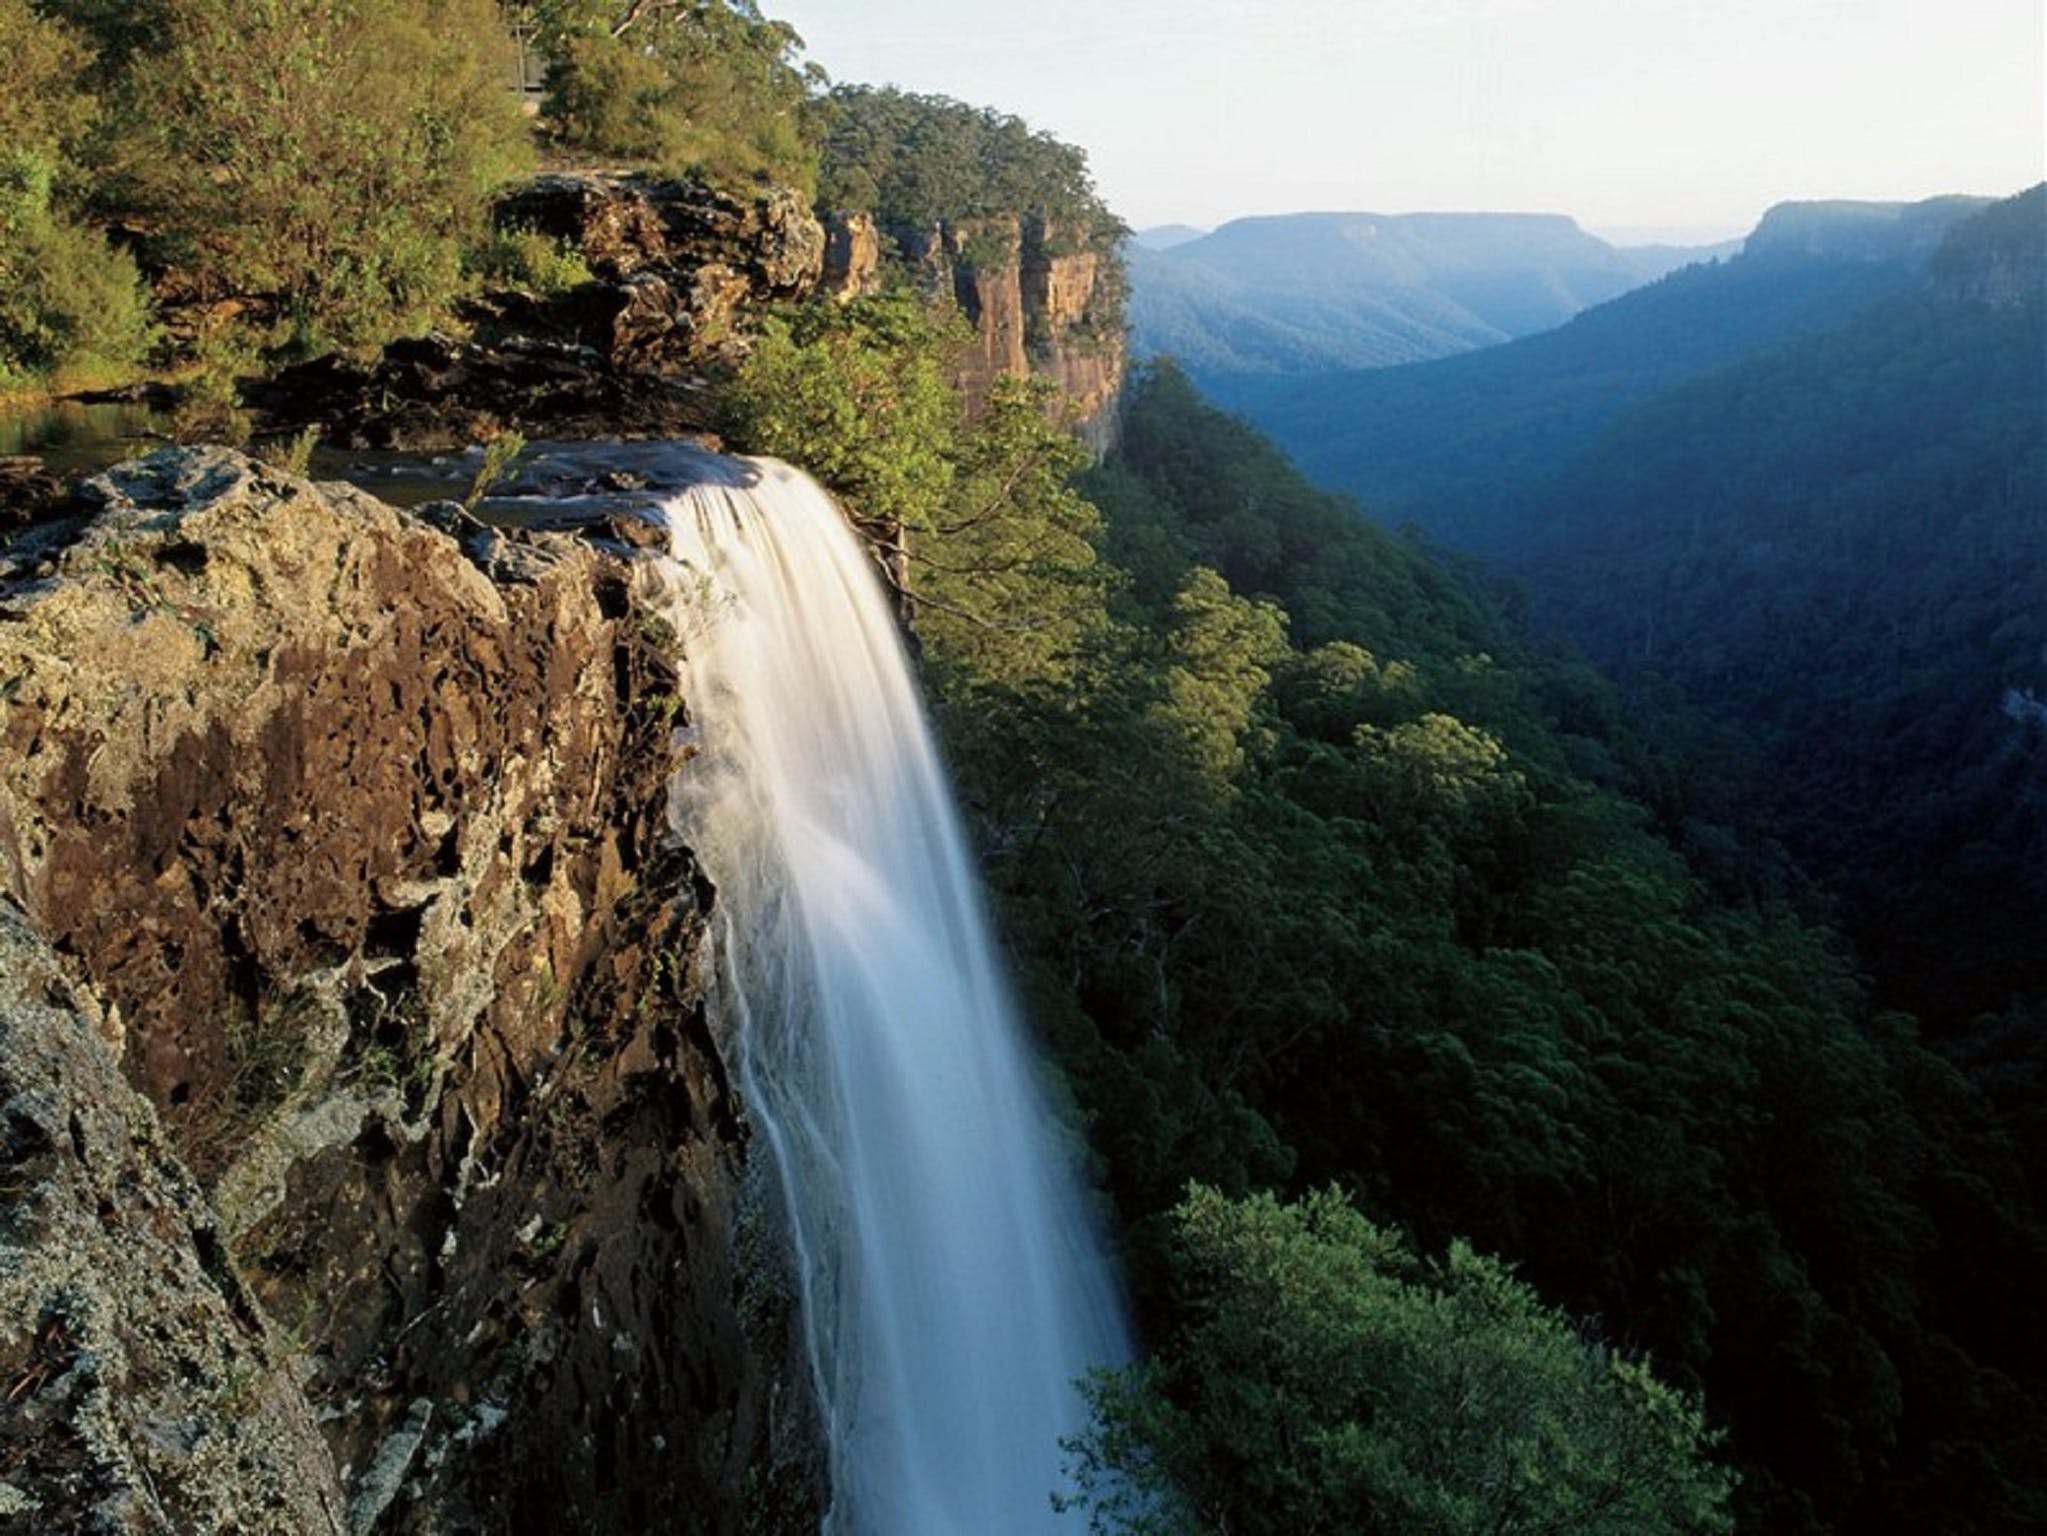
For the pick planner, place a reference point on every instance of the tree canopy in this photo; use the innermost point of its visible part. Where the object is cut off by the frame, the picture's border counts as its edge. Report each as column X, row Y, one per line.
column 916, row 160
column 71, row 305
column 1324, row 1378
column 710, row 86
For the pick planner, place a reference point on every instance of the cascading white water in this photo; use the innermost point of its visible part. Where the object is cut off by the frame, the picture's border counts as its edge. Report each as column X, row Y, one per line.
column 952, row 1285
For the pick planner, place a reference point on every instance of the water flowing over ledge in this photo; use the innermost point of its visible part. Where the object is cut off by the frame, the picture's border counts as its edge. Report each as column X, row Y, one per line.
column 953, row 1285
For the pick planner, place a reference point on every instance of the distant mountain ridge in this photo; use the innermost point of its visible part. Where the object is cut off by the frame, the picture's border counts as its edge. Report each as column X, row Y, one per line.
column 1316, row 292
column 1842, row 231
column 1447, row 443
column 1163, row 237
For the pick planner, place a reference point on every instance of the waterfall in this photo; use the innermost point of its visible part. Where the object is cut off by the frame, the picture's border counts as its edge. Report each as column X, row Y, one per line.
column 951, row 1282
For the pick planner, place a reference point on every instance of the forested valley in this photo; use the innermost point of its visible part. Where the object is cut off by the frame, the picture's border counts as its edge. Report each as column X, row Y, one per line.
column 1320, row 874
column 1555, row 1053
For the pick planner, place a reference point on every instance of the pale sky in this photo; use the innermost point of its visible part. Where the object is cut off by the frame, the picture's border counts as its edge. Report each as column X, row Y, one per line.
column 1638, row 116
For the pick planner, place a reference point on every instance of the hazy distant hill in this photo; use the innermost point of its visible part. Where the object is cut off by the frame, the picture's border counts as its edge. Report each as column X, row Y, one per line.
column 1451, row 444
column 1850, row 232
column 1312, row 292
column 1163, row 237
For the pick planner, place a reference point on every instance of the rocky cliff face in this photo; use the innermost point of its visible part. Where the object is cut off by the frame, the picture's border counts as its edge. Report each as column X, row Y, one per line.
column 353, row 1049
column 675, row 266
column 1041, row 299
column 1843, row 233
column 1998, row 257
column 146, row 1390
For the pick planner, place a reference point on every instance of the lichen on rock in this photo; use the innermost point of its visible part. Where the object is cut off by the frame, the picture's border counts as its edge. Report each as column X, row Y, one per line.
column 145, row 1390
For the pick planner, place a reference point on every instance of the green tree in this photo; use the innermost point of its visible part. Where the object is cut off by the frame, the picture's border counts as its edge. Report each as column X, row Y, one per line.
column 976, row 516
column 1221, row 647
column 325, row 161
column 1326, row 1379
column 72, row 307
column 861, row 396
column 918, row 160
column 711, row 86
column 45, row 107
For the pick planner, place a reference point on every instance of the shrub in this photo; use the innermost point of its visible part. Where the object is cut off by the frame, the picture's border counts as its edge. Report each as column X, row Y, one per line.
column 711, row 87
column 1327, row 1379
column 72, row 307
column 330, row 160
column 526, row 258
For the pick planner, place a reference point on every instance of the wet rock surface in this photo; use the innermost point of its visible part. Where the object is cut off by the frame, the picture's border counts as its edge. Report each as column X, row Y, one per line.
column 352, row 832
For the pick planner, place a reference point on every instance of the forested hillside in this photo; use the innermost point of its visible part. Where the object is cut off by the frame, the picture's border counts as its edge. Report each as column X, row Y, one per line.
column 1840, row 547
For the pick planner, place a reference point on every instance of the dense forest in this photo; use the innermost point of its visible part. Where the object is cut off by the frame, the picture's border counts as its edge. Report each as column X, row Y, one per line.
column 914, row 161
column 1862, row 592
column 1497, row 1128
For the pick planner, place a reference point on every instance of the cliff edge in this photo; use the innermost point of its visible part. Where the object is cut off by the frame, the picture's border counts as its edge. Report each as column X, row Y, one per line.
column 364, row 1123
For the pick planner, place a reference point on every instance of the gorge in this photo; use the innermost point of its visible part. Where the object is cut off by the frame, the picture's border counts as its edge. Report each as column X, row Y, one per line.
column 499, row 1029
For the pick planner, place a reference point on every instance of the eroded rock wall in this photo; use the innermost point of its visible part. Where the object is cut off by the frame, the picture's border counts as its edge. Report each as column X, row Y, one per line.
column 677, row 269
column 1073, row 301
column 1042, row 298
column 353, row 829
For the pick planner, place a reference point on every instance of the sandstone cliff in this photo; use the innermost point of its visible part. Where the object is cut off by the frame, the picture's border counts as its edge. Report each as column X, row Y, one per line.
column 1041, row 298
column 352, row 1040
column 678, row 271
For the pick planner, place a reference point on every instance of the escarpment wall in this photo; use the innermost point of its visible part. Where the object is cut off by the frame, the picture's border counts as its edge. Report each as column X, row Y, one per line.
column 1042, row 298
column 347, row 834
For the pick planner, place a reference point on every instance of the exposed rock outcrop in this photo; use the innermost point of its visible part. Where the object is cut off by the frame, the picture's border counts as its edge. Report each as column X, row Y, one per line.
column 1043, row 299
column 675, row 264
column 676, row 268
column 986, row 260
column 852, row 256
column 628, row 224
column 145, row 1390
column 351, row 830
